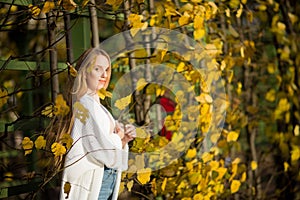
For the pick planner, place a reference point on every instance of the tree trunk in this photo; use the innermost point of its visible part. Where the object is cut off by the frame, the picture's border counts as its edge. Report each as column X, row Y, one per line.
column 53, row 55
column 70, row 56
column 94, row 23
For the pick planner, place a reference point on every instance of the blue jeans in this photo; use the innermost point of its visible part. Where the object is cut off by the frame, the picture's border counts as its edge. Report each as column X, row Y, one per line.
column 108, row 184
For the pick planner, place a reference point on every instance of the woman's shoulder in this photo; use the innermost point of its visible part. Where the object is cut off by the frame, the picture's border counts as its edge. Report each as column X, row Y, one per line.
column 86, row 99
column 89, row 103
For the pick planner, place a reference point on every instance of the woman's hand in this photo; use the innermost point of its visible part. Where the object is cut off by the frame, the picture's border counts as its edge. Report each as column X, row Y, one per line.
column 129, row 133
column 119, row 130
column 126, row 133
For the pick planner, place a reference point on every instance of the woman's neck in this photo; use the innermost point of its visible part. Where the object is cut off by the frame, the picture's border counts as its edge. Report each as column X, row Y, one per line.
column 93, row 94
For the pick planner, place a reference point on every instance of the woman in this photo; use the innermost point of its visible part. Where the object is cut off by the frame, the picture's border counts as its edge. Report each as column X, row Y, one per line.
column 99, row 153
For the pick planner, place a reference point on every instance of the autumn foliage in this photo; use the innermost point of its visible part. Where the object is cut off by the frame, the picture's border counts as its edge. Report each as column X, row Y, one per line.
column 253, row 48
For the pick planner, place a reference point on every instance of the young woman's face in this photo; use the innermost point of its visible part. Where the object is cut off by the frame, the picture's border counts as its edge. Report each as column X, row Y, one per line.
column 96, row 76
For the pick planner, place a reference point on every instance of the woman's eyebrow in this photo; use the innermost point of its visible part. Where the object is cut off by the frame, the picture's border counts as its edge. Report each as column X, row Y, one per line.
column 102, row 67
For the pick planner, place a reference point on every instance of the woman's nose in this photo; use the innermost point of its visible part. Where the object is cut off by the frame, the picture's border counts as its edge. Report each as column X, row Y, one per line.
column 104, row 74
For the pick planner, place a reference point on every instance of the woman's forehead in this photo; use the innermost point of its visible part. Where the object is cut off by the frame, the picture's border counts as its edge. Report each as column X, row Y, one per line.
column 102, row 61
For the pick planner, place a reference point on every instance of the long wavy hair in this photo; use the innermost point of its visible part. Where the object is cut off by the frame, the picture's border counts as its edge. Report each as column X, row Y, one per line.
column 86, row 60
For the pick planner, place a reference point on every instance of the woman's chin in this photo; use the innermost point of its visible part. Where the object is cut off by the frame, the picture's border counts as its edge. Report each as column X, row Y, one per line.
column 100, row 87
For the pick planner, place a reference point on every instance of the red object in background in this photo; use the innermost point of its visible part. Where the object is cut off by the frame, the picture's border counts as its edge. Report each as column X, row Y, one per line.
column 167, row 104
column 169, row 107
column 167, row 134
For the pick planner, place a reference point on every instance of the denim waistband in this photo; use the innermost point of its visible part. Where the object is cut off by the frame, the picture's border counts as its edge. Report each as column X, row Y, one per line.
column 110, row 169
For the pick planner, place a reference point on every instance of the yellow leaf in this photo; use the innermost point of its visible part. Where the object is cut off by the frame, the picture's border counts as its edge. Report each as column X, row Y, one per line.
column 198, row 22
column 153, row 20
column 295, row 153
column 67, row 189
column 141, row 83
column 136, row 23
column 199, row 33
column 141, row 133
column 214, row 165
column 84, row 3
column 81, row 112
column 48, row 111
column 181, row 67
column 262, row 7
column 61, row 107
column 9, row 176
column 184, row 19
column 281, row 26
column 191, row 153
column 72, row 70
column 170, row 11
column 114, row 3
column 286, row 166
column 242, row 51
column 293, row 18
column 234, row 3
column 253, row 165
column 67, row 140
column 235, row 186
column 69, row 5
column 143, row 175
column 240, row 11
column 223, row 65
column 232, row 136
column 27, row 145
column 40, row 142
column 230, row 74
column 162, row 54
column 3, row 97
column 58, row 149
column 102, row 93
column 283, row 106
column 123, row 102
column 198, row 196
column 227, row 12
column 159, row 91
column 236, row 161
column 122, row 186
column 35, row 11
column 270, row 95
column 177, row 137
column 48, row 6
column 221, row 172
column 296, row 130
column 163, row 185
column 234, row 168
column 129, row 185
column 213, row 6
column 204, row 98
column 206, row 157
column 194, row 177
column 244, row 176
column 214, row 138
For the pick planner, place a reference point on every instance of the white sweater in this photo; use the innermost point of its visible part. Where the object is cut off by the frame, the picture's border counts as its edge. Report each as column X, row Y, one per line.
column 94, row 144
